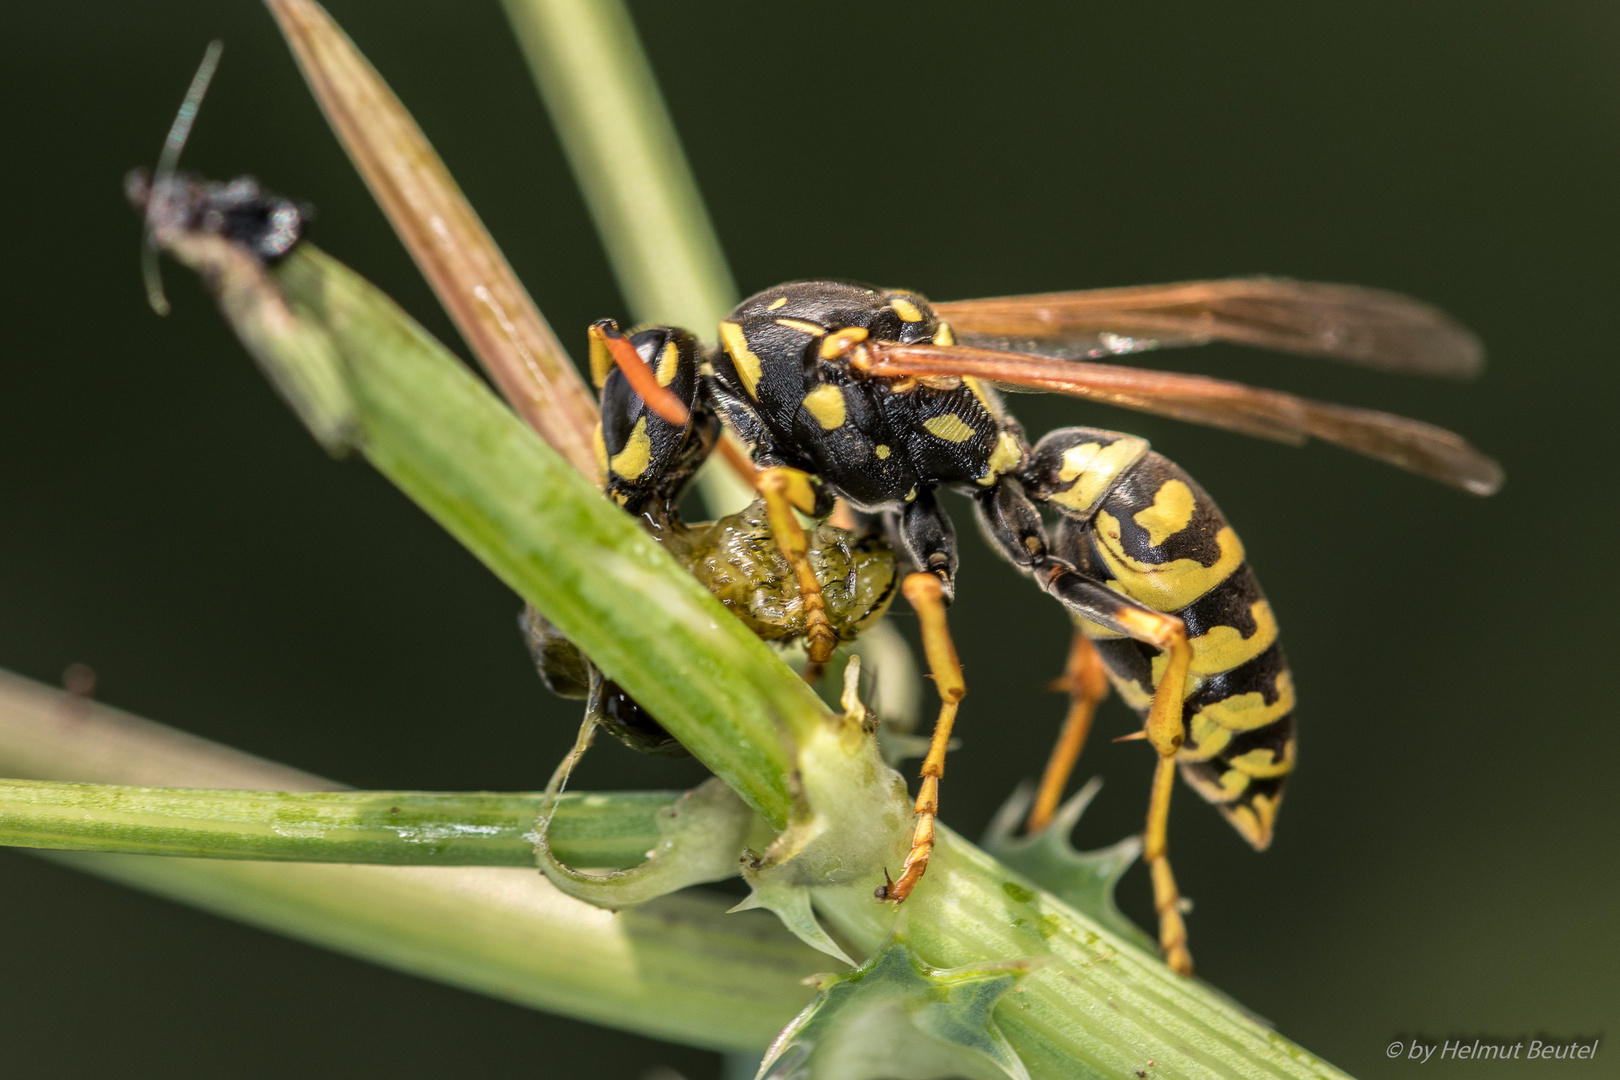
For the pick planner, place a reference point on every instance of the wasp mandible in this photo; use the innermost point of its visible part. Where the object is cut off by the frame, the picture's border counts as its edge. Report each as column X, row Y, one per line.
column 878, row 397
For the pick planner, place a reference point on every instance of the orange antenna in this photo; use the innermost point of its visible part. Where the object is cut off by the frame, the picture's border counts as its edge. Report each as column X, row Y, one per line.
column 642, row 380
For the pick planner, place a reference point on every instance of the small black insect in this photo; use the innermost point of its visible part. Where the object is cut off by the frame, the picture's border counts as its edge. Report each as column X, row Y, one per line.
column 262, row 222
column 176, row 204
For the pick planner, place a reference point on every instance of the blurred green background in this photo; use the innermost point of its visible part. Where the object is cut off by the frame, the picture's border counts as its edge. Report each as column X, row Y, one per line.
column 1446, row 863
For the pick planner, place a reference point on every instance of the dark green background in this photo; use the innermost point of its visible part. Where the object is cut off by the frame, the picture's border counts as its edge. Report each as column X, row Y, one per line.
column 1446, row 861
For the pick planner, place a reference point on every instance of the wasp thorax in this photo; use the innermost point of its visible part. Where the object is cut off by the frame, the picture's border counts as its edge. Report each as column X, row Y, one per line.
column 834, row 313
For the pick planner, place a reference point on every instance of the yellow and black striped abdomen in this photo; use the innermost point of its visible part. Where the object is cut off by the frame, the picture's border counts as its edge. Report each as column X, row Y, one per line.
column 1155, row 536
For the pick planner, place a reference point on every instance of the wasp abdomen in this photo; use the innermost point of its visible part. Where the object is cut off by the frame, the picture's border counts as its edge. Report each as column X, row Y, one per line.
column 1136, row 520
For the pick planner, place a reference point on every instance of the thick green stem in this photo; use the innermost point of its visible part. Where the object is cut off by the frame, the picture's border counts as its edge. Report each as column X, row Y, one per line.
column 393, row 828
column 678, row 968
column 1099, row 1007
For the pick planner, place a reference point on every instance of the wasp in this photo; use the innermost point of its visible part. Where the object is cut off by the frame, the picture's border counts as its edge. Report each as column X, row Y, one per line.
column 853, row 575
column 879, row 398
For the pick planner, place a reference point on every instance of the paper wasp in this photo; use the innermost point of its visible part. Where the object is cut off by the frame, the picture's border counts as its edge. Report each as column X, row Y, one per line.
column 878, row 397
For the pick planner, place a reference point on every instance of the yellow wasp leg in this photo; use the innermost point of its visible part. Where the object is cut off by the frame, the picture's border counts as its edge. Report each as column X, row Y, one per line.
column 784, row 489
column 925, row 593
column 1164, row 730
column 1087, row 684
column 1166, row 897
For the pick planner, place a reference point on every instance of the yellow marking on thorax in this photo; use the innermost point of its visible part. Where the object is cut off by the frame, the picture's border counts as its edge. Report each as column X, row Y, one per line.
column 1006, row 457
column 777, row 304
column 1091, row 470
column 839, row 342
column 742, row 358
column 979, row 392
column 950, row 427
column 826, row 404
column 881, row 451
column 1245, row 712
column 1167, row 586
column 1172, row 511
column 669, row 361
column 632, row 461
column 944, row 335
column 813, row 329
column 904, row 308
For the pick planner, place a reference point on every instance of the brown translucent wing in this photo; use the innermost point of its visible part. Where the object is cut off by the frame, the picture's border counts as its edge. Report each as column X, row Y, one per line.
column 1410, row 444
column 1369, row 327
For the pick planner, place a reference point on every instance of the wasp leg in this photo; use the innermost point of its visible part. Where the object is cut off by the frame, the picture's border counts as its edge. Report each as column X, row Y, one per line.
column 786, row 489
column 1164, row 730
column 926, row 593
column 1086, row 682
column 1012, row 522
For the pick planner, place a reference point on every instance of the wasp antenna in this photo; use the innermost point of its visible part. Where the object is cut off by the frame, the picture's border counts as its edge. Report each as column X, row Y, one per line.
column 168, row 161
column 620, row 352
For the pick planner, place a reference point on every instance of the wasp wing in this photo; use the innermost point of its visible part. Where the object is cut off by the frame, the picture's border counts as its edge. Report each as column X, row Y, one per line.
column 1369, row 327
column 1410, row 444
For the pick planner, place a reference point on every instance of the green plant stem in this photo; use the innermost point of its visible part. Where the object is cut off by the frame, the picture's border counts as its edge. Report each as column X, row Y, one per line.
column 393, row 828
column 1099, row 1007
column 617, row 133
column 604, row 102
column 438, row 433
column 678, row 968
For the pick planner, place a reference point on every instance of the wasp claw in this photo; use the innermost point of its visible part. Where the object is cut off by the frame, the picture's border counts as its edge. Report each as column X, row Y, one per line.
column 881, row 893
